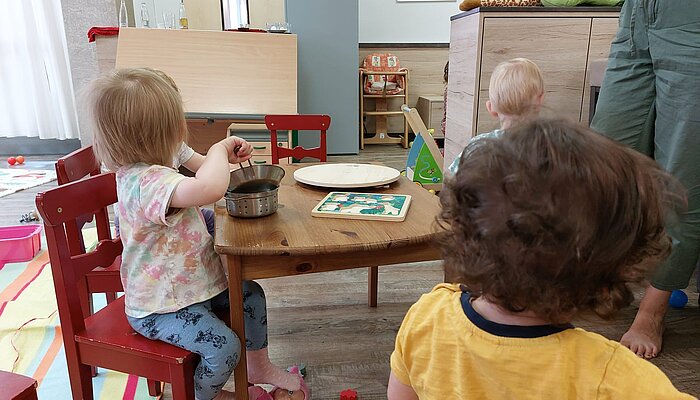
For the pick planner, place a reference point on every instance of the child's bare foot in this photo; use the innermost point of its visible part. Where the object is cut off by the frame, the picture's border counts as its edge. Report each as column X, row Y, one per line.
column 261, row 370
column 645, row 336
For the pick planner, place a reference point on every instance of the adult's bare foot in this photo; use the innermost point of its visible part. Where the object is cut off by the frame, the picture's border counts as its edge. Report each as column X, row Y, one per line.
column 645, row 336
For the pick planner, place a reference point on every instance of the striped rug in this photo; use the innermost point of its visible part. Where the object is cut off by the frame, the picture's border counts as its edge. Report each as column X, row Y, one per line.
column 30, row 334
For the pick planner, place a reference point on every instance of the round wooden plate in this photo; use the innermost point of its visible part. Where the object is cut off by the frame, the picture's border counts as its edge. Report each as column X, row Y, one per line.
column 346, row 175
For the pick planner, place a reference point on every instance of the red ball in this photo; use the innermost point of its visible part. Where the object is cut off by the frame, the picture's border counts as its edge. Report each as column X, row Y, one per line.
column 11, row 160
column 20, row 159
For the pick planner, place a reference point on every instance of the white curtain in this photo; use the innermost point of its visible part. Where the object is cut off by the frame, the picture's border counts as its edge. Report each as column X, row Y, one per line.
column 36, row 90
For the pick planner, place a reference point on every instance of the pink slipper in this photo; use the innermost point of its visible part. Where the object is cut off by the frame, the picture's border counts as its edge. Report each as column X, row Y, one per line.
column 258, row 393
column 304, row 389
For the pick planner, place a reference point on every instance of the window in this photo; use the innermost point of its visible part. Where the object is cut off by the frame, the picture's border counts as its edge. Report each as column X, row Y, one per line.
column 235, row 13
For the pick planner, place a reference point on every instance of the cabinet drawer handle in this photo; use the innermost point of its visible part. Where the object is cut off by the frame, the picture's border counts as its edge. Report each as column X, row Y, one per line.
column 259, row 162
column 259, row 147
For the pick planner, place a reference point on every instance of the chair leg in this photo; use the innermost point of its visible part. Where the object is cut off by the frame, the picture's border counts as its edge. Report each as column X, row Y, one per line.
column 182, row 379
column 110, row 297
column 80, row 380
column 88, row 309
column 155, row 389
column 372, row 282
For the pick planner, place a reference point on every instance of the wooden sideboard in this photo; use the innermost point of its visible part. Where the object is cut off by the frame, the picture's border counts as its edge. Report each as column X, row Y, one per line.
column 562, row 41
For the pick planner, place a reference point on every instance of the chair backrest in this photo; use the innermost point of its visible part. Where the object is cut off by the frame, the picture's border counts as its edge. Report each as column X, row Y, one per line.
column 297, row 123
column 77, row 165
column 58, row 208
column 388, row 71
column 73, row 167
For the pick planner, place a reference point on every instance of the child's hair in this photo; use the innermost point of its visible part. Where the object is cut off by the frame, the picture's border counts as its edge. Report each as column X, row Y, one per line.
column 514, row 86
column 165, row 76
column 555, row 219
column 136, row 116
column 447, row 69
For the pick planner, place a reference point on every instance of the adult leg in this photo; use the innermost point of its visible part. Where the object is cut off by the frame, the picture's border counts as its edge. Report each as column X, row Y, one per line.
column 260, row 368
column 625, row 107
column 674, row 43
column 626, row 112
column 196, row 328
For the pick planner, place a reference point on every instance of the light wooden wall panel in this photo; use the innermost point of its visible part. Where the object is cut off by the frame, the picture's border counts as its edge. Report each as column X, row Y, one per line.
column 602, row 34
column 562, row 43
column 560, row 51
column 465, row 58
column 219, row 72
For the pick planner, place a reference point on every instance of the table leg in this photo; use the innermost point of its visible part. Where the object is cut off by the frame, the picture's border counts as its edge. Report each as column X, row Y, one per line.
column 235, row 291
column 372, row 283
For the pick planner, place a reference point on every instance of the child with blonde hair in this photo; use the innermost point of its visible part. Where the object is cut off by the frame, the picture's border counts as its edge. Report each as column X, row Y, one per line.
column 186, row 157
column 516, row 94
column 172, row 277
column 548, row 222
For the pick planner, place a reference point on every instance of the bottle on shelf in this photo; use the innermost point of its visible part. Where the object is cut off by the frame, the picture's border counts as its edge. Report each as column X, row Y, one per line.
column 183, row 16
column 123, row 16
column 145, row 23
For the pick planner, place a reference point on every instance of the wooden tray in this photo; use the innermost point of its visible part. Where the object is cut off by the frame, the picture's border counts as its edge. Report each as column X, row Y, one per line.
column 346, row 175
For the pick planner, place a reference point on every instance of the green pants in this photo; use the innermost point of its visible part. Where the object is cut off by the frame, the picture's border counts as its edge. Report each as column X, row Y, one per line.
column 650, row 100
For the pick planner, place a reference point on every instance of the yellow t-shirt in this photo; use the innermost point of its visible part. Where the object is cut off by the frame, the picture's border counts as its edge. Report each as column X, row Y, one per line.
column 443, row 355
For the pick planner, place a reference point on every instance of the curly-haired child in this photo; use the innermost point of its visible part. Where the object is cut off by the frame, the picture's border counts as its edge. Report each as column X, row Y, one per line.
column 545, row 223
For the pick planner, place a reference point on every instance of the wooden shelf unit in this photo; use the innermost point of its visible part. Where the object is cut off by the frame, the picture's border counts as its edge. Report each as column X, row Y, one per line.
column 381, row 112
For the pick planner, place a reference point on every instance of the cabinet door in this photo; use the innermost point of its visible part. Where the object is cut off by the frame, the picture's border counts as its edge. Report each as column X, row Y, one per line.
column 603, row 32
column 558, row 45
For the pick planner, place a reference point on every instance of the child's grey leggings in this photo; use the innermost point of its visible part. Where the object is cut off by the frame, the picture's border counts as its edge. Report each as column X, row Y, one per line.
column 197, row 329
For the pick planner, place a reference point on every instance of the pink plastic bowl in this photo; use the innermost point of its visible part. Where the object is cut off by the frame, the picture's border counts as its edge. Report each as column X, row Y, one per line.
column 19, row 243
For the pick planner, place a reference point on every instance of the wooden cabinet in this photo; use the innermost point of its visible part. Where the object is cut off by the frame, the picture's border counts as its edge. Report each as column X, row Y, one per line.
column 562, row 41
column 431, row 109
column 259, row 137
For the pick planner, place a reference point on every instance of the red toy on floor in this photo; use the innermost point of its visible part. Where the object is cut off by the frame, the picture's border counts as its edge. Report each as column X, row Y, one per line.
column 348, row 394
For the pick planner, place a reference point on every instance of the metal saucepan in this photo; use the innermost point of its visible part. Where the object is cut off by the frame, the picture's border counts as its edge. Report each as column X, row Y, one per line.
column 252, row 191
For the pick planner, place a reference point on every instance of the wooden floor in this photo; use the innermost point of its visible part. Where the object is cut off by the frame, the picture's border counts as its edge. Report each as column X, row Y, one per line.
column 322, row 320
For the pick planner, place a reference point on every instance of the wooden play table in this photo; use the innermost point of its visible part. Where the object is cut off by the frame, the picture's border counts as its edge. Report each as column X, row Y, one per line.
column 292, row 242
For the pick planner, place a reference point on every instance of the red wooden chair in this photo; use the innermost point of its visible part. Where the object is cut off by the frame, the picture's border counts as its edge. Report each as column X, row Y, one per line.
column 17, row 387
column 104, row 339
column 311, row 123
column 297, row 123
column 74, row 167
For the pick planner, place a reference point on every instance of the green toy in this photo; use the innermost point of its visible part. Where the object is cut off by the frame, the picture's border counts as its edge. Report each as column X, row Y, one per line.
column 425, row 161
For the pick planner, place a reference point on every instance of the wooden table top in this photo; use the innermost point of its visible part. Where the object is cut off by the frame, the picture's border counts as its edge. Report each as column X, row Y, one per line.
column 293, row 231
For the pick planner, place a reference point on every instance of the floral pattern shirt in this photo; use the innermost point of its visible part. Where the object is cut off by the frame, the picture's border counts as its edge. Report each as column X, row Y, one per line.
column 168, row 261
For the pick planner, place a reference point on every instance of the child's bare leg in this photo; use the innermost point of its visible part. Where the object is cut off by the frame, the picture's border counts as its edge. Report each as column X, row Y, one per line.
column 646, row 333
column 261, row 370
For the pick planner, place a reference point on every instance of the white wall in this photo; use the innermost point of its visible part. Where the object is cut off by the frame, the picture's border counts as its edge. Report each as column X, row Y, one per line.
column 78, row 17
column 389, row 21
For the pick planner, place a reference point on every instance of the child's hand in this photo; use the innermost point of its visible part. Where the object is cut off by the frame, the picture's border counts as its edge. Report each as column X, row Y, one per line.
column 238, row 149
